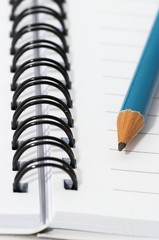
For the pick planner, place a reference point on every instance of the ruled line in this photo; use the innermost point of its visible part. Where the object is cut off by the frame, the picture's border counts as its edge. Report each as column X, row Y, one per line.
column 114, row 94
column 133, row 171
column 122, row 29
column 121, row 44
column 121, row 95
column 118, row 60
column 140, row 133
column 115, row 112
column 134, row 191
column 109, row 111
column 154, row 153
column 116, row 77
column 127, row 14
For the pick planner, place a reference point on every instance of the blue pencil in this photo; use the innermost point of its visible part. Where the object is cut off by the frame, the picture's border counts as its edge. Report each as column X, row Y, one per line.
column 138, row 99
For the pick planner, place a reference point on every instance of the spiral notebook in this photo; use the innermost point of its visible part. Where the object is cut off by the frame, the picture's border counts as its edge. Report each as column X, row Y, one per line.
column 64, row 71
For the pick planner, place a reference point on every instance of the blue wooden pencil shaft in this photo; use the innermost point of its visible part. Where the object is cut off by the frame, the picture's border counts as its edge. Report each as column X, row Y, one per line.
column 145, row 80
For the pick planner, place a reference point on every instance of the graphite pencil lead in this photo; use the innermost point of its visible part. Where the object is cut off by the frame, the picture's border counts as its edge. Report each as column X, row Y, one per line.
column 121, row 146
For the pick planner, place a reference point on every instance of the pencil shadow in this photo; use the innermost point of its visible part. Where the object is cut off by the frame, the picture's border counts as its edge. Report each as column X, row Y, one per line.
column 132, row 145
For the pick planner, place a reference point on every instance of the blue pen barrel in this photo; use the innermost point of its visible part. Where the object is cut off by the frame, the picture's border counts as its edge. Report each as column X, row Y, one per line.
column 145, row 80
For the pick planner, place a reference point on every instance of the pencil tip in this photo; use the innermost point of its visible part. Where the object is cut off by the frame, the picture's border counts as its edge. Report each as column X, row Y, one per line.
column 121, row 146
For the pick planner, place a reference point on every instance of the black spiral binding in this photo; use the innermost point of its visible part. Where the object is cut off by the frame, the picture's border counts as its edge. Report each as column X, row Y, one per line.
column 64, row 124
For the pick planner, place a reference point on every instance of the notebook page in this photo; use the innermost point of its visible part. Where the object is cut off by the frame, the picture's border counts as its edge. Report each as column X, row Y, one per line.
column 107, row 39
column 135, row 171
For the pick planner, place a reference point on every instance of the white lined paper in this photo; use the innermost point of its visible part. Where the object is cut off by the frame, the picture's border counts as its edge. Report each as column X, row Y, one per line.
column 127, row 31
column 106, row 46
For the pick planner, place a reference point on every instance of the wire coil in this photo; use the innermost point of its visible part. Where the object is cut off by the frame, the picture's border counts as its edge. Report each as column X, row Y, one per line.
column 61, row 85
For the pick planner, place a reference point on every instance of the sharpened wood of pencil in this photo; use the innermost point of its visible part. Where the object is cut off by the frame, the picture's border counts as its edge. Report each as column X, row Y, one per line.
column 141, row 91
column 129, row 123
